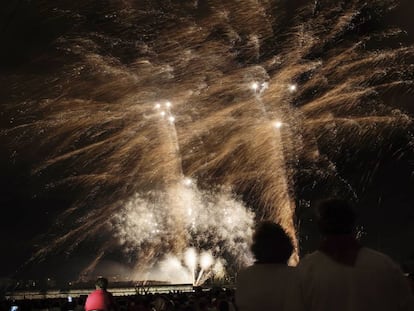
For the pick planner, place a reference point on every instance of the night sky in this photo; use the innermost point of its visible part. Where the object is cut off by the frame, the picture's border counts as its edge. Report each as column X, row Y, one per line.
column 383, row 180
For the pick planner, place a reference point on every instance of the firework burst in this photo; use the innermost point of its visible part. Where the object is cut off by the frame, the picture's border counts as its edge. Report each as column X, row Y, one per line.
column 169, row 115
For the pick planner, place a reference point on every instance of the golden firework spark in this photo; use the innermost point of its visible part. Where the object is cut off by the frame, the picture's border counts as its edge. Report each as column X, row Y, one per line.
column 167, row 114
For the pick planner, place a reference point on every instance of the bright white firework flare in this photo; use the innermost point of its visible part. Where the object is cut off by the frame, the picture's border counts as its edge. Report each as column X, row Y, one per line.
column 277, row 124
column 206, row 260
column 292, row 88
column 190, row 259
column 259, row 88
column 254, row 86
column 187, row 182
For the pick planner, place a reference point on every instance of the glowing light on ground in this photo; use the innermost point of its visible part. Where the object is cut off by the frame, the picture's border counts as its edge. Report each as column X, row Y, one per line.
column 192, row 267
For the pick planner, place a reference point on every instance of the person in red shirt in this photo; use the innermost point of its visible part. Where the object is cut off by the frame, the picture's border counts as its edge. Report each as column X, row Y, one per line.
column 100, row 299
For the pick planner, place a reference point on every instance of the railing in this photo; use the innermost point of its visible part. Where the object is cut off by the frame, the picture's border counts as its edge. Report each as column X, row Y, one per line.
column 120, row 291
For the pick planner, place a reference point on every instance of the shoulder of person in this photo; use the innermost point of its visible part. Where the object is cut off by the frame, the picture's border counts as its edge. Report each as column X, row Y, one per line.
column 310, row 259
column 379, row 258
column 375, row 253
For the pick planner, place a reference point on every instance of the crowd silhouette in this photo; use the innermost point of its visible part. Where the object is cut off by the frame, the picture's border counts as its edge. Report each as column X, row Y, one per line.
column 341, row 275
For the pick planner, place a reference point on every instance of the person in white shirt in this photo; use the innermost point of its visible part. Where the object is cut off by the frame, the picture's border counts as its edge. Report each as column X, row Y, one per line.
column 266, row 284
column 342, row 275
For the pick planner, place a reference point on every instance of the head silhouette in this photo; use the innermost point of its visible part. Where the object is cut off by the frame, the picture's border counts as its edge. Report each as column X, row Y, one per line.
column 335, row 217
column 271, row 244
column 101, row 283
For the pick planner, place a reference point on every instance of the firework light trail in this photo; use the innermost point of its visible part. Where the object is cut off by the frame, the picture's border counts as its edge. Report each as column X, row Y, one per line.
column 169, row 115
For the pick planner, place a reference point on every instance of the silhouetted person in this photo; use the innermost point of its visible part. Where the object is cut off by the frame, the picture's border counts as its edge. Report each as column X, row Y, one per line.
column 100, row 299
column 266, row 285
column 342, row 275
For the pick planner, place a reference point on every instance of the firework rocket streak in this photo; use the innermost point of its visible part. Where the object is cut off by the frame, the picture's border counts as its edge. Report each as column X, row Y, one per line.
column 167, row 114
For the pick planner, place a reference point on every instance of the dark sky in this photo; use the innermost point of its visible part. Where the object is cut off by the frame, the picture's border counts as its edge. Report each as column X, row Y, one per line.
column 386, row 202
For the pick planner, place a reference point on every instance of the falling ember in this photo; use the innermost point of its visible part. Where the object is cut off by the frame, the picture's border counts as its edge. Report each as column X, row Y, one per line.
column 179, row 124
